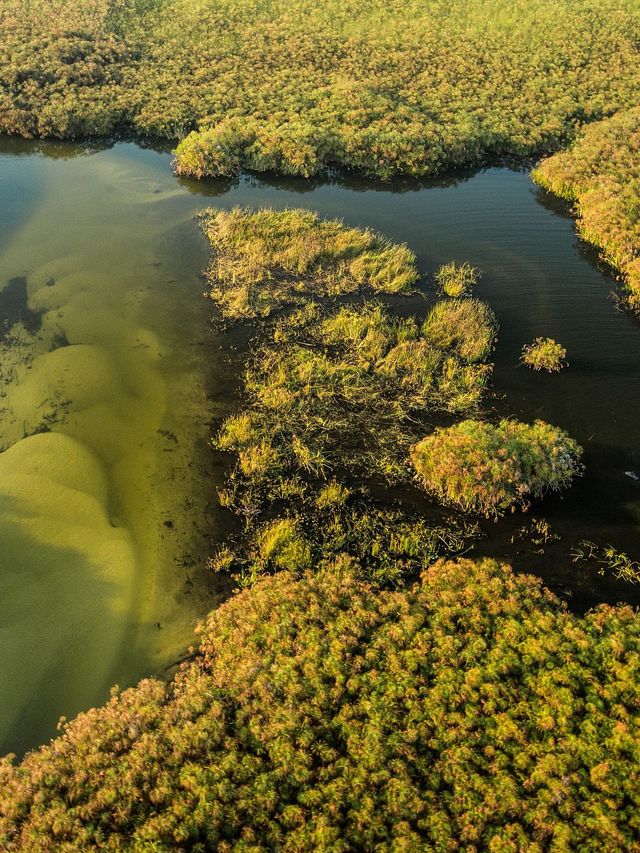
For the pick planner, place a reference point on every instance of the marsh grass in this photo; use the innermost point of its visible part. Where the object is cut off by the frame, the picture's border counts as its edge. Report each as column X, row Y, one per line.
column 488, row 469
column 330, row 520
column 544, row 354
column 341, row 390
column 266, row 259
column 456, row 280
column 465, row 327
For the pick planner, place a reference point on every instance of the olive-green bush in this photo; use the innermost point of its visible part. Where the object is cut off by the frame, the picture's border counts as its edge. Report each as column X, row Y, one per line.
column 383, row 86
column 486, row 468
column 470, row 711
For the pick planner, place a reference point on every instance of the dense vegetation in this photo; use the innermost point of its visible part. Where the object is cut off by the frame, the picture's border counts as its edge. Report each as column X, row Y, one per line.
column 601, row 174
column 384, row 86
column 470, row 711
column 484, row 468
column 267, row 259
column 544, row 354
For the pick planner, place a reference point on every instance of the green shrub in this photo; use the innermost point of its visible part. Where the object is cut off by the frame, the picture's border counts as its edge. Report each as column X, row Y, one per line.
column 456, row 280
column 470, row 710
column 488, row 469
column 544, row 354
column 265, row 259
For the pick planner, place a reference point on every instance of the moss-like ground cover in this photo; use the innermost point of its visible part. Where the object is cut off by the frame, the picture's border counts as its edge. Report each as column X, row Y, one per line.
column 383, row 86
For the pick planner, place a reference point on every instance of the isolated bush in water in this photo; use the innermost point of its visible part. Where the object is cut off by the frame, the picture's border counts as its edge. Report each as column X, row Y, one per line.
column 544, row 354
column 470, row 709
column 488, row 469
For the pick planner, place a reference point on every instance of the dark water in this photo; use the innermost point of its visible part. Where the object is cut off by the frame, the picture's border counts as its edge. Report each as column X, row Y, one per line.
column 111, row 376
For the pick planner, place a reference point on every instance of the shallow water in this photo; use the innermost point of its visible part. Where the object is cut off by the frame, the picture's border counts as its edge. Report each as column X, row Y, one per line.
column 110, row 376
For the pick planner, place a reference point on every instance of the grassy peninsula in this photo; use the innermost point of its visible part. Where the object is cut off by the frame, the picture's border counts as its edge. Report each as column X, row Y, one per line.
column 383, row 87
column 601, row 175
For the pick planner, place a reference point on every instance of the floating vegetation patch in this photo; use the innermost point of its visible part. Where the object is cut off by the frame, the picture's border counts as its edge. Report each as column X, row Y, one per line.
column 544, row 354
column 538, row 531
column 488, row 469
column 265, row 259
column 608, row 560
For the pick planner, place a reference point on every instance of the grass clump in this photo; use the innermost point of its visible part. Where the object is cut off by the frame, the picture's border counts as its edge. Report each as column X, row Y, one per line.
column 456, row 280
column 488, row 469
column 465, row 327
column 544, row 354
column 266, row 259
column 601, row 174
column 321, row 713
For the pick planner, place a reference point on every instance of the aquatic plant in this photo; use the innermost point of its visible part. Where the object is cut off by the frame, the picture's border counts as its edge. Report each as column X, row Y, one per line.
column 385, row 88
column 544, row 354
column 486, row 468
column 470, row 708
column 608, row 560
column 601, row 174
column 265, row 259
column 329, row 520
column 456, row 280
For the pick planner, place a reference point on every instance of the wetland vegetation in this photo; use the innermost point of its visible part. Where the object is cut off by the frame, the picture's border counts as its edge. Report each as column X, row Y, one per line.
column 544, row 354
column 321, row 713
column 370, row 687
column 600, row 173
column 383, row 87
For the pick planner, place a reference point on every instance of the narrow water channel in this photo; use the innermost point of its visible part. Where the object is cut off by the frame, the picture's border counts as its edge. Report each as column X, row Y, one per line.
column 110, row 376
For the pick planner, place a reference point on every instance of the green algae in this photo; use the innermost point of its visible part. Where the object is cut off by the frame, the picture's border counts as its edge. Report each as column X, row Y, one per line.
column 101, row 401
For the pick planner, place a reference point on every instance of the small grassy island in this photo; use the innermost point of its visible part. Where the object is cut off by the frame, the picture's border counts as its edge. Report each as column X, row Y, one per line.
column 484, row 468
column 544, row 354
